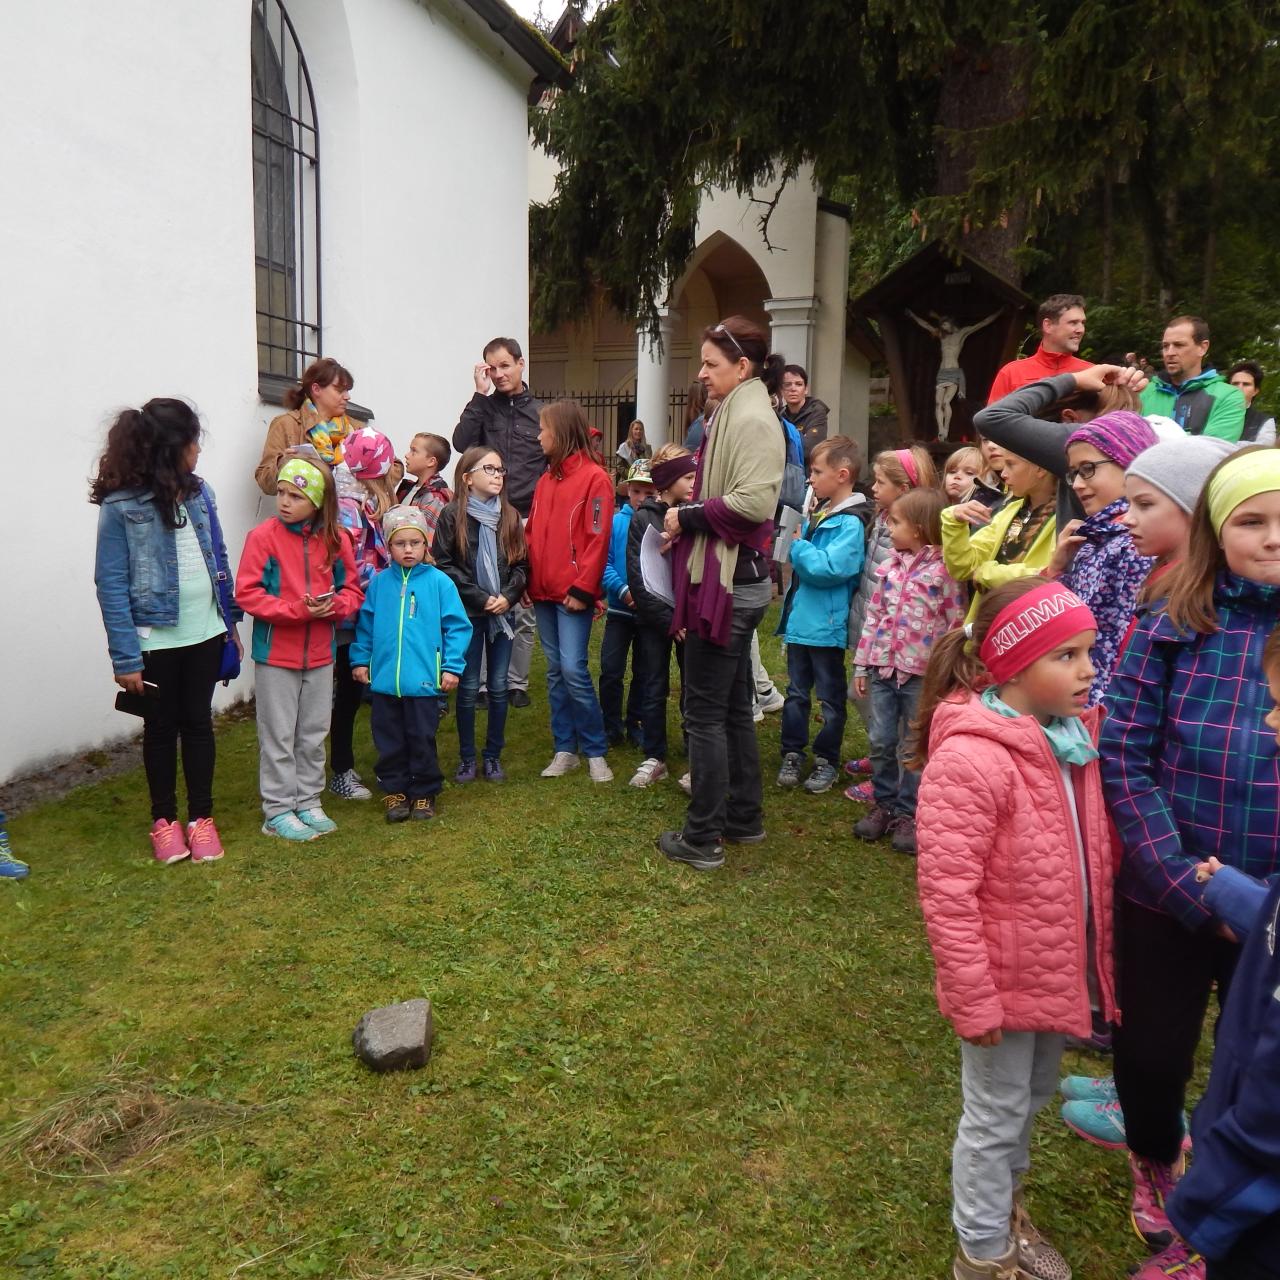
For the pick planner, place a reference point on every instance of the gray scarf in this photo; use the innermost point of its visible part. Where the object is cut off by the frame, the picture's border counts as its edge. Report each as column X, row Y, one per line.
column 486, row 513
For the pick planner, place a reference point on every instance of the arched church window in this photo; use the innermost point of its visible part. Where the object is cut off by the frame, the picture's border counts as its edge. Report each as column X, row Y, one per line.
column 286, row 196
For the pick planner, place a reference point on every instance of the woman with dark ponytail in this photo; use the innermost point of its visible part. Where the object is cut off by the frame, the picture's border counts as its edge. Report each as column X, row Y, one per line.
column 160, row 571
column 720, row 544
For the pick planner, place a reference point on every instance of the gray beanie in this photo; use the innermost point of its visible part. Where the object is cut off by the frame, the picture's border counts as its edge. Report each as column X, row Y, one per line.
column 1180, row 468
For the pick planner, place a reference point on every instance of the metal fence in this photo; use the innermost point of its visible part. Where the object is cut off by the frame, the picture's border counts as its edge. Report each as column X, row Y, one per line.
column 612, row 412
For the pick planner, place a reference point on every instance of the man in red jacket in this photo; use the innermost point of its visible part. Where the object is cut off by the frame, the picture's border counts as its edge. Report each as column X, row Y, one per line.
column 1061, row 321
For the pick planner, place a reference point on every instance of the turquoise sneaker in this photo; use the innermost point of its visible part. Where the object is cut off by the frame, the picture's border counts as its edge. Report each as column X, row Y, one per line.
column 1088, row 1088
column 288, row 826
column 1101, row 1123
column 10, row 867
column 317, row 820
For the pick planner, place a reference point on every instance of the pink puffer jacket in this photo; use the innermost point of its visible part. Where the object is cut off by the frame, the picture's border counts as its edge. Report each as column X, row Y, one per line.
column 1000, row 875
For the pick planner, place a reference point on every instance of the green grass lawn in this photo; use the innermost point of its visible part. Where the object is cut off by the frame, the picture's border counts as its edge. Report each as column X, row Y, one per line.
column 639, row 1070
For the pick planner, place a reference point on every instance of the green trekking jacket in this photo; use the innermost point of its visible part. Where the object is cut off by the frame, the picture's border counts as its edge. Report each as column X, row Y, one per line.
column 1206, row 405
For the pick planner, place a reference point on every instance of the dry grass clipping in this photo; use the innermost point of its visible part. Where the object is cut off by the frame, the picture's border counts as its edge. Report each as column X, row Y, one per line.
column 120, row 1119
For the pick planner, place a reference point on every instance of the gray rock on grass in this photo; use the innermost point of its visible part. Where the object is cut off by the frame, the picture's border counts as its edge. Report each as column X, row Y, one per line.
column 396, row 1037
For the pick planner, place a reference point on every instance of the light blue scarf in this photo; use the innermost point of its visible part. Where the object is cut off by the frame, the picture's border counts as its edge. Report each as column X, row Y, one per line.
column 1068, row 738
column 487, row 512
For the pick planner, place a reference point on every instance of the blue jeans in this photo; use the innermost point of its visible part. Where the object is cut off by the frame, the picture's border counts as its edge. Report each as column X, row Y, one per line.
column 576, row 721
column 822, row 669
column 893, row 712
column 497, row 651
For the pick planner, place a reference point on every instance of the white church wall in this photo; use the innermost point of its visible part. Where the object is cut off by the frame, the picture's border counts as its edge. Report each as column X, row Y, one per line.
column 129, row 273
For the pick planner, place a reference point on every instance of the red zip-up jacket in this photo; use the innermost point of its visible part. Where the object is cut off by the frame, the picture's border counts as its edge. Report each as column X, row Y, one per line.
column 1044, row 364
column 568, row 530
column 281, row 564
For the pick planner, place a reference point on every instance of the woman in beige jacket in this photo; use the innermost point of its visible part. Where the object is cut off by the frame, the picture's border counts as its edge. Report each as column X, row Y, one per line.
column 316, row 414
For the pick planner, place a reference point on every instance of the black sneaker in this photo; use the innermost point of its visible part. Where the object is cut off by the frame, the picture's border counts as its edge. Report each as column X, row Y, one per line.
column 745, row 837
column 423, row 808
column 517, row 698
column 700, row 857
column 398, row 809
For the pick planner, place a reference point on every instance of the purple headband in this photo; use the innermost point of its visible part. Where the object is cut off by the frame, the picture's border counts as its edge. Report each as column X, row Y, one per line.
column 665, row 474
column 1120, row 435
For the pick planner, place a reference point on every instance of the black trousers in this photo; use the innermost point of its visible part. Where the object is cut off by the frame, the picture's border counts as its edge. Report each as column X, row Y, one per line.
column 404, row 731
column 347, row 697
column 180, row 708
column 1164, row 975
column 620, row 638
column 651, row 675
column 724, row 759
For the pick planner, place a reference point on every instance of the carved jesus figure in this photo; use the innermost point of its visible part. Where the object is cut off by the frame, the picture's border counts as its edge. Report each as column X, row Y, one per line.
column 950, row 380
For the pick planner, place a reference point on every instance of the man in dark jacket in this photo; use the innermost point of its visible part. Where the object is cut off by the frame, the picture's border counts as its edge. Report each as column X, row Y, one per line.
column 807, row 413
column 503, row 416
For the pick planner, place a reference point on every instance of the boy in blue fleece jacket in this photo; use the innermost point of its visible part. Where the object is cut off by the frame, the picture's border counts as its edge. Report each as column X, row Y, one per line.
column 826, row 562
column 412, row 635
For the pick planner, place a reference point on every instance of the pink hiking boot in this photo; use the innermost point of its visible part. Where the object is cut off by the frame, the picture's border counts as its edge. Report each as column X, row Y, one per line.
column 168, row 842
column 1178, row 1260
column 1153, row 1184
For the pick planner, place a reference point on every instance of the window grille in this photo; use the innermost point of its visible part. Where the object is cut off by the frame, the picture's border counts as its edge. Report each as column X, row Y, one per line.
column 286, row 196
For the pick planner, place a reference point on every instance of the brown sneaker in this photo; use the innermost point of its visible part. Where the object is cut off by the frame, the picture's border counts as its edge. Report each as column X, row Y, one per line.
column 1004, row 1268
column 423, row 809
column 397, row 806
column 1036, row 1256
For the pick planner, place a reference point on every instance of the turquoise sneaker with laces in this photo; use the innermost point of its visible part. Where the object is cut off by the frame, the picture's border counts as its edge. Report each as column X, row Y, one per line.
column 1101, row 1123
column 288, row 826
column 10, row 867
column 1088, row 1088
column 317, row 820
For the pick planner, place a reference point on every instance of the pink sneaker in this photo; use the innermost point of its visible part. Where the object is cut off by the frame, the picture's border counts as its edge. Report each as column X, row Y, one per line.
column 168, row 842
column 203, row 841
column 862, row 792
column 857, row 768
column 1153, row 1183
column 1179, row 1260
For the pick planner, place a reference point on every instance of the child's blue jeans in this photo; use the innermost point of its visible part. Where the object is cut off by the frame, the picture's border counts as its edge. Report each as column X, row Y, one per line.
column 817, row 669
column 893, row 712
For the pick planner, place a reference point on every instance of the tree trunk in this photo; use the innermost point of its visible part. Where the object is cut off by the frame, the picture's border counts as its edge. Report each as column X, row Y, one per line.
column 1211, row 235
column 1108, row 235
column 1164, row 264
column 980, row 89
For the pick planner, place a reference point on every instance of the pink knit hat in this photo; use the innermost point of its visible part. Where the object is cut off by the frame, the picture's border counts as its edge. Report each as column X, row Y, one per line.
column 1120, row 435
column 368, row 454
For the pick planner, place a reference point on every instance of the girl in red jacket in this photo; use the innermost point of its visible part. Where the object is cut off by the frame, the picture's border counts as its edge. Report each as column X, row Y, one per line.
column 568, row 539
column 297, row 579
column 1015, row 874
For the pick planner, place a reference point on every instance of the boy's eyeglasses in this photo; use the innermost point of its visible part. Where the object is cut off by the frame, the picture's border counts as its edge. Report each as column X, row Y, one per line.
column 1086, row 470
column 489, row 469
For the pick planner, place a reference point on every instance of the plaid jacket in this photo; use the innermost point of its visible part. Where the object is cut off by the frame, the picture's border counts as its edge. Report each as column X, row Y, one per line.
column 1188, row 765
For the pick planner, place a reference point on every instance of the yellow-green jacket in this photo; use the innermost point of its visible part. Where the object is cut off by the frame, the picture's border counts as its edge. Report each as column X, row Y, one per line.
column 970, row 554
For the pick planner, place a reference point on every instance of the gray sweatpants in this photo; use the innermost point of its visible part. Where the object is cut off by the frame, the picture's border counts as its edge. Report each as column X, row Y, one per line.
column 522, row 620
column 294, row 708
column 1004, row 1087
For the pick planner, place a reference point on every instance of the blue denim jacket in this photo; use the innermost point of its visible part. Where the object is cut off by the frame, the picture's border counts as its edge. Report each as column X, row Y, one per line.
column 136, row 568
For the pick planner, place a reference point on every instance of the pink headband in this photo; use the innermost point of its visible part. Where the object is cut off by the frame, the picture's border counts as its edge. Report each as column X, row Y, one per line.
column 908, row 465
column 1033, row 625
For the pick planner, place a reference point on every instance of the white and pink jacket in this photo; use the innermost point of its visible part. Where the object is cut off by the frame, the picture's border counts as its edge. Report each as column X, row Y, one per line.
column 1007, row 889
column 915, row 601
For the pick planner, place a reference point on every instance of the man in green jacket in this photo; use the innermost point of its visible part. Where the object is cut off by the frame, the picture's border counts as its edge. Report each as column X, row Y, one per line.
column 1201, row 401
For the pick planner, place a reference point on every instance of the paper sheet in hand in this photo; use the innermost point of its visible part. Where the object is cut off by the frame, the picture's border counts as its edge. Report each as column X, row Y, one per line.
column 655, row 568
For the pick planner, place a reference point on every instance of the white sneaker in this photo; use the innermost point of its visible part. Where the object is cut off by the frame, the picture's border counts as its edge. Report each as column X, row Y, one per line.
column 774, row 702
column 598, row 768
column 686, row 783
column 756, row 713
column 560, row 764
column 648, row 773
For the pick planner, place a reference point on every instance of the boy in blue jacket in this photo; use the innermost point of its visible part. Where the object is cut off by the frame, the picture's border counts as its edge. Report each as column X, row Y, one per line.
column 620, row 618
column 1227, row 1205
column 412, row 635
column 826, row 562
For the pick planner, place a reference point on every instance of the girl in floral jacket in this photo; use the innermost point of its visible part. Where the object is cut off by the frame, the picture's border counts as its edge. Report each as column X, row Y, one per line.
column 1095, row 556
column 914, row 601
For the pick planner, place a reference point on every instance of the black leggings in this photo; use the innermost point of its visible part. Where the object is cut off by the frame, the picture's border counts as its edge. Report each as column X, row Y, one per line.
column 180, row 707
column 1164, row 976
column 347, row 697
